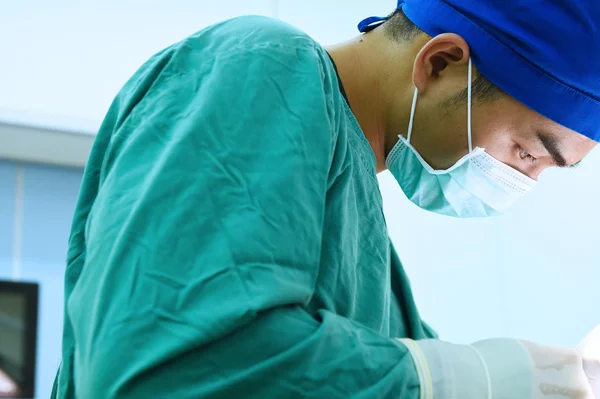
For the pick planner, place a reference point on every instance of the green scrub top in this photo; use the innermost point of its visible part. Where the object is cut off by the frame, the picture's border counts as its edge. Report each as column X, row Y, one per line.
column 229, row 239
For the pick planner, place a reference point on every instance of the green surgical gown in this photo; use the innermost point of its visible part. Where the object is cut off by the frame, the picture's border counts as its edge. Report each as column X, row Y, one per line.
column 229, row 239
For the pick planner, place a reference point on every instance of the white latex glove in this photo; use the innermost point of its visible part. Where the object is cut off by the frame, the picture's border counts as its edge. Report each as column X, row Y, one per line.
column 590, row 350
column 558, row 372
column 592, row 370
column 498, row 369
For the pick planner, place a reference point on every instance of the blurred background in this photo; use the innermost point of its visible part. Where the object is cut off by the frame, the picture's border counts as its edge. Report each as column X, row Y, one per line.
column 532, row 273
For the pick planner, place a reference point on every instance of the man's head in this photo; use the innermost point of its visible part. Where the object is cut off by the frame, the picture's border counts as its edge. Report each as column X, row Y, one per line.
column 508, row 130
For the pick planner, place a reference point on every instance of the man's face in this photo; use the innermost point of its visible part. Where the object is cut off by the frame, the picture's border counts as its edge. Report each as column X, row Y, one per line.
column 506, row 129
column 525, row 140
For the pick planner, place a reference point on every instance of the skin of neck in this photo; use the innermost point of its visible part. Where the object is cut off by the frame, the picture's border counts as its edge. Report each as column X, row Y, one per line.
column 377, row 75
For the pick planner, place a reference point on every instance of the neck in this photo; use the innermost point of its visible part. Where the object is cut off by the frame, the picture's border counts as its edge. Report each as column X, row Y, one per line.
column 377, row 76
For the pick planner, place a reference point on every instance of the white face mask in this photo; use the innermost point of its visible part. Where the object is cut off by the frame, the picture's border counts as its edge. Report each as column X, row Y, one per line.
column 478, row 185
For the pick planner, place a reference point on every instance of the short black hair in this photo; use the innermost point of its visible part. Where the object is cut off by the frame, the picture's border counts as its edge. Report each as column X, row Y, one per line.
column 401, row 29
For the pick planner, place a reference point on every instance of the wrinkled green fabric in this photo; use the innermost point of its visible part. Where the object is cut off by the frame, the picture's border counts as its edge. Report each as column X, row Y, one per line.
column 229, row 239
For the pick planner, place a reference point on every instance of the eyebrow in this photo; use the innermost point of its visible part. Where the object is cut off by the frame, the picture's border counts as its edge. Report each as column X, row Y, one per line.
column 552, row 146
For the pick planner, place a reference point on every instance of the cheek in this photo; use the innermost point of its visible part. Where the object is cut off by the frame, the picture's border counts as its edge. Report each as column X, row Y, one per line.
column 499, row 140
column 440, row 137
column 452, row 138
column 501, row 148
column 495, row 125
column 495, row 137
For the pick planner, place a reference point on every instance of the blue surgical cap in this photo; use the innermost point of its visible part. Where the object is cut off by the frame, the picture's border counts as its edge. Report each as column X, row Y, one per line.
column 544, row 53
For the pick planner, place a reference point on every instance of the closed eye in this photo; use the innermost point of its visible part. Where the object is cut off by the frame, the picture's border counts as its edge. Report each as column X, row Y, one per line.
column 524, row 155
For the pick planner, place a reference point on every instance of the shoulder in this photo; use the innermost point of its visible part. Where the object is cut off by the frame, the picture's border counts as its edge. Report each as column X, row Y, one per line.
column 268, row 74
column 257, row 31
column 257, row 41
column 255, row 53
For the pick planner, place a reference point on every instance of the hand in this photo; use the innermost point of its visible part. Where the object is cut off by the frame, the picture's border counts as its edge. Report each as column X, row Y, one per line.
column 558, row 372
column 590, row 350
column 592, row 370
column 499, row 368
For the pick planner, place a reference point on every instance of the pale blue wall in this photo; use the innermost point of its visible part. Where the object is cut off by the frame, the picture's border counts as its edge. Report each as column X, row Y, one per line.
column 7, row 210
column 532, row 273
column 47, row 203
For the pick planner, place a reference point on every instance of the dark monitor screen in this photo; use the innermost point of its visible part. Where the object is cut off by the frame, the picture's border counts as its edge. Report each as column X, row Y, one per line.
column 18, row 338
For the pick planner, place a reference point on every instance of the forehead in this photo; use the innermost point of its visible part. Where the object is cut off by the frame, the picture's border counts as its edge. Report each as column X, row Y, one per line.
column 508, row 122
column 561, row 142
column 569, row 141
column 571, row 146
column 532, row 123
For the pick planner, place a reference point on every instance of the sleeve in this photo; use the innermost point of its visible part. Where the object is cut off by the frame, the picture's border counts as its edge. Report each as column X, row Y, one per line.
column 203, row 243
column 496, row 368
column 499, row 368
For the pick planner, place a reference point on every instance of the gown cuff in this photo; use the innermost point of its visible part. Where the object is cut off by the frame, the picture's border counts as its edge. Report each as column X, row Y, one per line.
column 478, row 371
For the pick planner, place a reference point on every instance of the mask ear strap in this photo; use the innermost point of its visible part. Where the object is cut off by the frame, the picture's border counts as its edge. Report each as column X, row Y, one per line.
column 412, row 115
column 469, row 103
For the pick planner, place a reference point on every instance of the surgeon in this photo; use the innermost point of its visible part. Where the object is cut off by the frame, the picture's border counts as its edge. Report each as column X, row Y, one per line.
column 229, row 239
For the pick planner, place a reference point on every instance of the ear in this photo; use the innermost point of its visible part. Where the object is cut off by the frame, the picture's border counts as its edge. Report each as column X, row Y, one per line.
column 440, row 52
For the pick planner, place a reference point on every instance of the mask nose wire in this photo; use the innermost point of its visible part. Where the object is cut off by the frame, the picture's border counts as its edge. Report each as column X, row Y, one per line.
column 469, row 103
column 412, row 115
